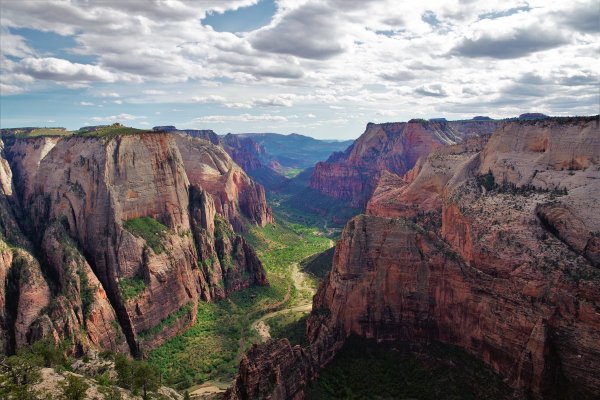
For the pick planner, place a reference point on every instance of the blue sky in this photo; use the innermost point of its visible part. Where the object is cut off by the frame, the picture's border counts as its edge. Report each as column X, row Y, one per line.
column 323, row 68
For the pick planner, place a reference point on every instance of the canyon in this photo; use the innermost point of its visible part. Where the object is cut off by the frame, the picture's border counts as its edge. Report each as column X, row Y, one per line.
column 351, row 176
column 111, row 237
column 489, row 243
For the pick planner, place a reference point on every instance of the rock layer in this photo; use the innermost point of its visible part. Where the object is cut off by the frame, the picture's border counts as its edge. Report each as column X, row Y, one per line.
column 471, row 249
column 393, row 147
column 115, row 284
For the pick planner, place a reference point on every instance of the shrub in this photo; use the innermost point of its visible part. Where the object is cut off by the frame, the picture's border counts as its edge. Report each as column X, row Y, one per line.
column 149, row 229
column 131, row 287
column 74, row 388
column 487, row 181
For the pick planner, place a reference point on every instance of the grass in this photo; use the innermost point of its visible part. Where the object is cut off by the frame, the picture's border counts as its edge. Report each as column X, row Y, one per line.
column 435, row 371
column 35, row 132
column 318, row 265
column 131, row 287
column 211, row 349
column 290, row 325
column 149, row 229
column 108, row 131
column 291, row 172
column 184, row 310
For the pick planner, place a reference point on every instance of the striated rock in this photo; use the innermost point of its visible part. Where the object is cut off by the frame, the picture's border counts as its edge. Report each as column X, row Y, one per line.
column 274, row 370
column 453, row 252
column 245, row 151
column 391, row 147
column 235, row 195
column 81, row 309
column 124, row 237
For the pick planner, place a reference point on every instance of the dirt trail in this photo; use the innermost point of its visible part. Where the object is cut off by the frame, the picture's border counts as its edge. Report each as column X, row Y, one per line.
column 298, row 278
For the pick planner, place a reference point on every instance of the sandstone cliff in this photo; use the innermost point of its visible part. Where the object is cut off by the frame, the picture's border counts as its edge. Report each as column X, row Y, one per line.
column 394, row 147
column 128, row 240
column 235, row 195
column 479, row 246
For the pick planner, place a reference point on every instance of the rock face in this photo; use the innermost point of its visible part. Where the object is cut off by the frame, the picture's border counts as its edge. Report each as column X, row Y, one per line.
column 245, row 151
column 479, row 246
column 275, row 370
column 393, row 147
column 235, row 195
column 130, row 233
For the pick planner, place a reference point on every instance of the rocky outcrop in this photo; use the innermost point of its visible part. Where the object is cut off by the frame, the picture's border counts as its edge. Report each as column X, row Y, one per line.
column 235, row 195
column 128, row 243
column 493, row 265
column 275, row 370
column 393, row 147
column 245, row 151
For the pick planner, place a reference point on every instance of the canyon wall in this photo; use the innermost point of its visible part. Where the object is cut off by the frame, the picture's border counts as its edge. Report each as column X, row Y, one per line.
column 490, row 245
column 351, row 176
column 132, row 231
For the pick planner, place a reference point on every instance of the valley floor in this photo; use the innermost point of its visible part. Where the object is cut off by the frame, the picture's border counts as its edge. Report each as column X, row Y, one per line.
column 205, row 358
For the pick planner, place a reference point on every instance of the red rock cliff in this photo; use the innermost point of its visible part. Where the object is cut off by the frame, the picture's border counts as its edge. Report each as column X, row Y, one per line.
column 505, row 270
column 393, row 147
column 114, row 284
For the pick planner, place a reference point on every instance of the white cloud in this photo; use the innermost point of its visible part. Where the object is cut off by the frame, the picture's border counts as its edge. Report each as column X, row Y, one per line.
column 240, row 118
column 59, row 70
column 86, row 103
column 116, row 118
column 329, row 58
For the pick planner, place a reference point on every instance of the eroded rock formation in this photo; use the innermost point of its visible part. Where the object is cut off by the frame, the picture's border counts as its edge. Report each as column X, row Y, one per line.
column 488, row 246
column 391, row 147
column 129, row 232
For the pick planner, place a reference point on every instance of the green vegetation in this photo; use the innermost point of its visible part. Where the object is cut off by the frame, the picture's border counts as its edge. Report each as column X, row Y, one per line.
column 291, row 172
column 436, row 371
column 18, row 373
column 318, row 265
column 108, row 131
column 34, row 132
column 137, row 375
column 212, row 347
column 149, row 229
column 311, row 208
column 74, row 388
column 290, row 325
column 185, row 310
column 86, row 293
column 282, row 243
column 131, row 287
column 487, row 181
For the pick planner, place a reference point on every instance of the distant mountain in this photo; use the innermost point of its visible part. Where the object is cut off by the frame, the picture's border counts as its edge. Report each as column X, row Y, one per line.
column 293, row 153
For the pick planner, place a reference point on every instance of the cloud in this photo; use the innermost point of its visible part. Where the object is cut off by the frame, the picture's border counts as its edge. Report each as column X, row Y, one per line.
column 208, row 99
column 398, row 75
column 120, row 117
column 432, row 90
column 240, row 118
column 519, row 43
column 275, row 101
column 309, row 31
column 583, row 18
column 60, row 70
column 86, row 103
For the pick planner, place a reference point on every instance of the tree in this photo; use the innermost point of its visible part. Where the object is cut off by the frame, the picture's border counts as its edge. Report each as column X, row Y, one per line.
column 124, row 369
column 186, row 395
column 17, row 376
column 111, row 393
column 145, row 377
column 74, row 388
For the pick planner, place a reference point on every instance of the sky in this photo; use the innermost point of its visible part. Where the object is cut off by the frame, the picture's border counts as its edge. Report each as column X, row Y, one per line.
column 323, row 68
